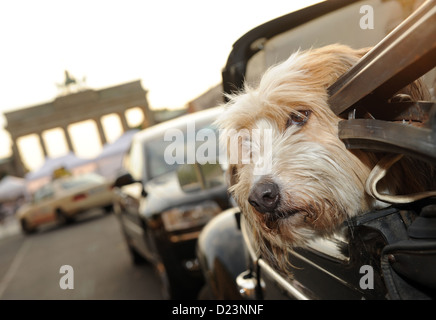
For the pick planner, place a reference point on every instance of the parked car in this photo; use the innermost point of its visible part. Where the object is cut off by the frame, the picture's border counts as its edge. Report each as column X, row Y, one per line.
column 64, row 198
column 162, row 204
column 385, row 254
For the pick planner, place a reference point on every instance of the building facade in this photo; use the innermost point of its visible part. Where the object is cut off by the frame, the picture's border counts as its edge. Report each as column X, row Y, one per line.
column 73, row 108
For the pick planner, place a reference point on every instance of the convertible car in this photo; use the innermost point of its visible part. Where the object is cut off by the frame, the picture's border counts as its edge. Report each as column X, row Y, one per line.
column 383, row 254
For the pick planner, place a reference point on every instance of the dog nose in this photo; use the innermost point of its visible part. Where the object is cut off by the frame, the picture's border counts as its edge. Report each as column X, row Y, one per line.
column 264, row 196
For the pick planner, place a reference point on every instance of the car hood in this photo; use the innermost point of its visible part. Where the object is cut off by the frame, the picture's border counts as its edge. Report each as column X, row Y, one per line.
column 23, row 210
column 164, row 192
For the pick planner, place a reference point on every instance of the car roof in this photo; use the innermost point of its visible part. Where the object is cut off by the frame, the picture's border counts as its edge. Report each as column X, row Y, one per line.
column 179, row 122
column 243, row 49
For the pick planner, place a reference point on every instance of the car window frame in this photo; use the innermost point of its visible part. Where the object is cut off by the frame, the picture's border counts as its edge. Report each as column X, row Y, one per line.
column 264, row 268
column 46, row 192
column 200, row 124
column 135, row 169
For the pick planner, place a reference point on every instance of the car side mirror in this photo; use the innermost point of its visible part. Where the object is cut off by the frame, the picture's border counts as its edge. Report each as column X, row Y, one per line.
column 124, row 180
column 143, row 192
column 193, row 177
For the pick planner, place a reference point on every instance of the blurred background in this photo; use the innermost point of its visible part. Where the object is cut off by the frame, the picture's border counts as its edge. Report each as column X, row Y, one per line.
column 80, row 78
column 77, row 76
column 176, row 50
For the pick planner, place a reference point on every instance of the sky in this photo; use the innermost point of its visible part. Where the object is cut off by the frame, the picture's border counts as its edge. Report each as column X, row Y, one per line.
column 176, row 48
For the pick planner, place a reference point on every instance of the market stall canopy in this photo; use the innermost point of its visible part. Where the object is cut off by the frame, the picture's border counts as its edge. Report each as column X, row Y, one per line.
column 12, row 188
column 68, row 161
column 110, row 159
column 121, row 145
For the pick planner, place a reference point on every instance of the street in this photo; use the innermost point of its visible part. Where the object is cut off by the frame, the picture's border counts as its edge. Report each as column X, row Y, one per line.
column 101, row 268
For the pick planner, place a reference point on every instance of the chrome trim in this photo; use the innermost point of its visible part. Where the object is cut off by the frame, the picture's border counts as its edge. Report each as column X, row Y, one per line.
column 281, row 281
column 266, row 268
column 302, row 258
column 247, row 240
column 247, row 283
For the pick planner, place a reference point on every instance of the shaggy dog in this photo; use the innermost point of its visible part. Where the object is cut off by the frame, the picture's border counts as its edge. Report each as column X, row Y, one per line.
column 313, row 183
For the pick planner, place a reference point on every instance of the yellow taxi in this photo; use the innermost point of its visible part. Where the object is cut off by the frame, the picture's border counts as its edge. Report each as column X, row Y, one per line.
column 65, row 197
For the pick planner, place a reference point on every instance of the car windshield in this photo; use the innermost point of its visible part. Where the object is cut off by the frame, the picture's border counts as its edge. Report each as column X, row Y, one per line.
column 44, row 193
column 165, row 156
column 82, row 180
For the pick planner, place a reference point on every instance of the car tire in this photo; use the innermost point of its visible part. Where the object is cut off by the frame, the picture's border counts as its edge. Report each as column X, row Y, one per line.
column 25, row 227
column 169, row 286
column 108, row 209
column 63, row 218
column 137, row 258
column 205, row 294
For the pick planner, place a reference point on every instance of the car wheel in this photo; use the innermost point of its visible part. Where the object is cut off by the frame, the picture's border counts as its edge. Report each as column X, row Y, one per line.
column 137, row 258
column 169, row 288
column 25, row 227
column 205, row 294
column 63, row 218
column 165, row 283
column 108, row 209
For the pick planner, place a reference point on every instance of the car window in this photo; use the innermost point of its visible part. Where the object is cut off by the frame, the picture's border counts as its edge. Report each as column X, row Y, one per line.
column 339, row 26
column 134, row 161
column 157, row 149
column 83, row 180
column 44, row 193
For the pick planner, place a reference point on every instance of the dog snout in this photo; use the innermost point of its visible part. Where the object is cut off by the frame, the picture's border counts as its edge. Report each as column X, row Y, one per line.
column 265, row 196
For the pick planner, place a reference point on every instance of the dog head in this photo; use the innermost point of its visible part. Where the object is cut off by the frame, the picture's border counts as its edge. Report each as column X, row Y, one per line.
column 290, row 174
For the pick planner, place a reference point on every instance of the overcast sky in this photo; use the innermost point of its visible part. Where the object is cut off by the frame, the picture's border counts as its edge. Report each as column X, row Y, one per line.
column 176, row 48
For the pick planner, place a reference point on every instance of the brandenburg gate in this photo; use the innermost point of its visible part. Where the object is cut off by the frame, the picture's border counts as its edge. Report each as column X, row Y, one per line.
column 76, row 107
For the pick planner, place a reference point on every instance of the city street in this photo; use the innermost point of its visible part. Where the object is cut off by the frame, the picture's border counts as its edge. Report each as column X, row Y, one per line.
column 101, row 268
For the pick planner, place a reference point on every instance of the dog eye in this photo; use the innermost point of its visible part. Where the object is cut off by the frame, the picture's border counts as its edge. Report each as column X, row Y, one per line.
column 298, row 118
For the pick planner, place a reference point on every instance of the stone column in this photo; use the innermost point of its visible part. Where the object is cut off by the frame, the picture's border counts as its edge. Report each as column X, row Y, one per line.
column 148, row 116
column 100, row 131
column 146, row 122
column 68, row 139
column 123, row 120
column 18, row 163
column 42, row 143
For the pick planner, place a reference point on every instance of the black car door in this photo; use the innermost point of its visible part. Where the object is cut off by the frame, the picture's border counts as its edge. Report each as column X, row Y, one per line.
column 343, row 266
column 130, row 198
